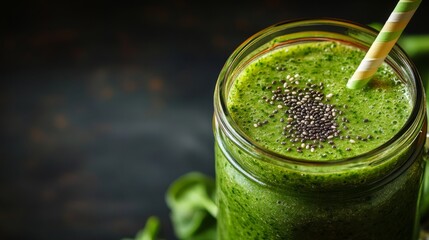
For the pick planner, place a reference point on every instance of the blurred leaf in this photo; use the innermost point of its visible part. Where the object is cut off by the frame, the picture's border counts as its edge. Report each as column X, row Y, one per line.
column 415, row 45
column 149, row 232
column 191, row 199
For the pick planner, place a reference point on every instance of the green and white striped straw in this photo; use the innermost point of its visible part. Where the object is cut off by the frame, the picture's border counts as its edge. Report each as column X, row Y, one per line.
column 384, row 42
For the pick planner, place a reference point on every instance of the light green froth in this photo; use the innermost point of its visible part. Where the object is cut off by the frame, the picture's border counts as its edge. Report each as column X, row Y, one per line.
column 384, row 102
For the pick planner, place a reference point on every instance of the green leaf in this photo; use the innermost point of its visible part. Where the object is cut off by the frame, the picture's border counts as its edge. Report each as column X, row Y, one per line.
column 149, row 232
column 415, row 45
column 191, row 199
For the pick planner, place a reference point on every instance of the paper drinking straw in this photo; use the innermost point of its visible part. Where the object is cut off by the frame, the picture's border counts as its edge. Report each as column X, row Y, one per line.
column 383, row 43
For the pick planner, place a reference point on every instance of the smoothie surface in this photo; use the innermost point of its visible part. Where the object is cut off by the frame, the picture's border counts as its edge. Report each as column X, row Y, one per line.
column 294, row 101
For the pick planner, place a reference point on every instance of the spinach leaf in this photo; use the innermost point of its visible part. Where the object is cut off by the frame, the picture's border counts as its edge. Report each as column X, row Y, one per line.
column 191, row 199
column 149, row 232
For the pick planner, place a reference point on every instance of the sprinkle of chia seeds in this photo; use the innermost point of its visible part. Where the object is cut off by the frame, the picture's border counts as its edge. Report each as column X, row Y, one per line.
column 309, row 118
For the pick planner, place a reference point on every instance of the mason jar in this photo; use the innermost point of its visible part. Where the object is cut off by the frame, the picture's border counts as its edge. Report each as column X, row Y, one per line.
column 265, row 195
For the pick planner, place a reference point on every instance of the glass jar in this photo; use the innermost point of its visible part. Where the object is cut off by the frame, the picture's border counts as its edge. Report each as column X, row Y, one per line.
column 265, row 195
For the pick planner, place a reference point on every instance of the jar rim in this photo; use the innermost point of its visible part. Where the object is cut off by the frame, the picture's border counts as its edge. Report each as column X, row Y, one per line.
column 411, row 128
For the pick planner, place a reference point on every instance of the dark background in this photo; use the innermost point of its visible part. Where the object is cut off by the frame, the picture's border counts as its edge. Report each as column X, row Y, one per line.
column 104, row 104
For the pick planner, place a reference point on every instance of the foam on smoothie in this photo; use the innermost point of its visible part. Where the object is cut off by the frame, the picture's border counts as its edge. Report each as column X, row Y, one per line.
column 317, row 74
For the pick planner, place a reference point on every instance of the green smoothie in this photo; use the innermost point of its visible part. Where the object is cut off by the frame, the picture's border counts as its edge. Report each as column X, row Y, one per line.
column 299, row 93
column 293, row 102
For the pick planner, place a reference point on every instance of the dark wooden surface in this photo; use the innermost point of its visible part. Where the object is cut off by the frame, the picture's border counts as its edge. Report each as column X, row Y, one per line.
column 104, row 104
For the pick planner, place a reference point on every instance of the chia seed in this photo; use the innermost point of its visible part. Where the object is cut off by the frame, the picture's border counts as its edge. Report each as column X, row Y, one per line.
column 309, row 117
